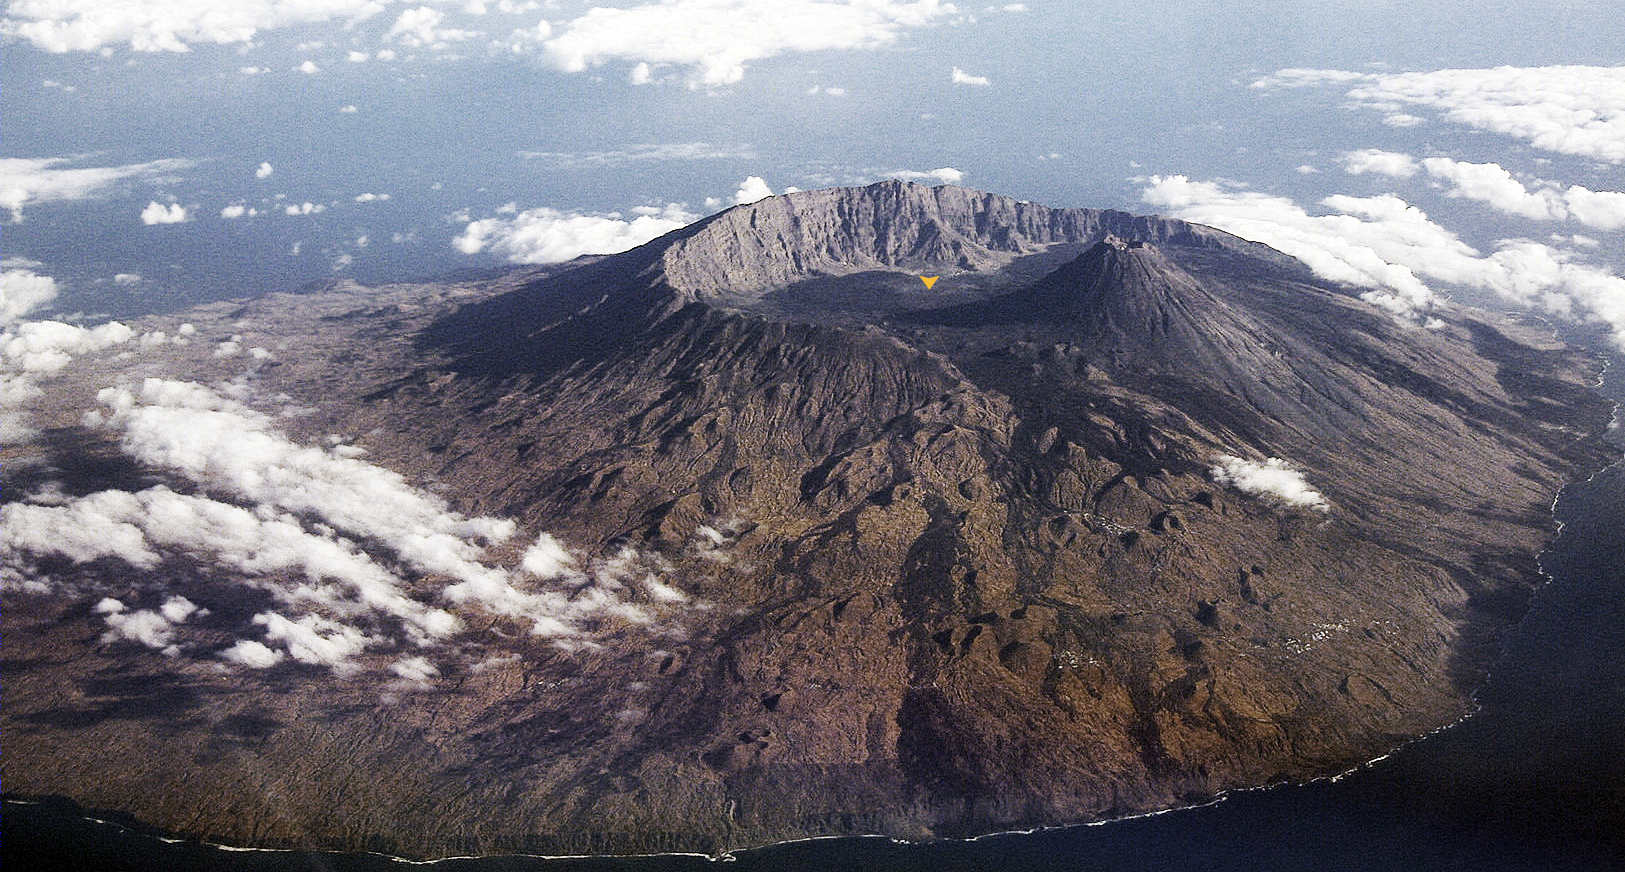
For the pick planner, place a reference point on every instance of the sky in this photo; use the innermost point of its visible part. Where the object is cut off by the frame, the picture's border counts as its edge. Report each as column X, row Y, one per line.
column 163, row 153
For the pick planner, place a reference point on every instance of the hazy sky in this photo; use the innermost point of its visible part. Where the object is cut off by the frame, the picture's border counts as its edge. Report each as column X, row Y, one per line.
column 170, row 151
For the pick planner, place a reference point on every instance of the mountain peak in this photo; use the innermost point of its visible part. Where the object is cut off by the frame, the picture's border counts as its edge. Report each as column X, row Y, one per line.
column 739, row 255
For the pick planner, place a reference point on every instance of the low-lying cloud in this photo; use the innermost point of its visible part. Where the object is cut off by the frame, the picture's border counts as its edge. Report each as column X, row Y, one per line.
column 158, row 213
column 1578, row 110
column 940, row 175
column 1272, row 479
column 1490, row 183
column 1390, row 246
column 545, row 235
column 355, row 559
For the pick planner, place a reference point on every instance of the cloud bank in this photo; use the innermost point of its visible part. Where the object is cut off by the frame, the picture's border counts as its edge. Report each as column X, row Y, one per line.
column 1385, row 244
column 1578, row 110
column 546, row 235
column 353, row 557
column 715, row 39
column 166, row 25
column 1492, row 184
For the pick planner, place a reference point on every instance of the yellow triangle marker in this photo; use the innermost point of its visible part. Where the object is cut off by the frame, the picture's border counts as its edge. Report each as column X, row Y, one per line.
column 929, row 281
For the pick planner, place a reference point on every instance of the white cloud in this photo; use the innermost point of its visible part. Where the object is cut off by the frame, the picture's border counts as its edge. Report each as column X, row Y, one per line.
column 546, row 235
column 1577, row 110
column 166, row 25
column 254, row 655
column 43, row 180
column 715, row 39
column 315, row 640
column 238, row 210
column 157, row 213
column 23, row 291
column 1384, row 163
column 1368, row 243
column 305, row 208
column 308, row 68
column 532, row 38
column 354, row 557
column 960, row 77
column 126, row 279
column 154, row 629
column 1387, row 245
column 1492, row 184
column 944, row 175
column 642, row 153
column 548, row 558
column 264, row 170
column 1273, row 480
column 414, row 670
column 753, row 188
column 45, row 347
column 424, row 27
column 1604, row 210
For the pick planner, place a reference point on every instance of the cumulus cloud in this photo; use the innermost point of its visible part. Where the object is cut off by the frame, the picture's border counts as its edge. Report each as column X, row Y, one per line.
column 1387, row 245
column 424, row 27
column 22, row 291
column 43, row 180
column 715, row 39
column 45, row 347
column 139, row 528
column 545, row 235
column 252, row 654
column 264, row 171
column 960, row 77
column 152, row 628
column 548, row 558
column 1383, row 163
column 941, row 175
column 753, row 188
column 34, row 350
column 158, row 213
column 315, row 640
column 1493, row 184
column 166, row 25
column 1273, row 480
column 348, row 550
column 1577, row 110
column 1367, row 242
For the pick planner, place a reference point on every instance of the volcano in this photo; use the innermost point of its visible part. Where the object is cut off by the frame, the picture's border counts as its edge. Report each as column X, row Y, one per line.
column 1120, row 513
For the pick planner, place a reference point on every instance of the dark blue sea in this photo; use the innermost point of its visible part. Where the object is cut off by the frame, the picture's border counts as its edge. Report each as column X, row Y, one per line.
column 1534, row 781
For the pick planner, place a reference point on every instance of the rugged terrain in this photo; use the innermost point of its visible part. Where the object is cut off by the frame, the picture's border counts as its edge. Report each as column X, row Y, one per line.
column 946, row 560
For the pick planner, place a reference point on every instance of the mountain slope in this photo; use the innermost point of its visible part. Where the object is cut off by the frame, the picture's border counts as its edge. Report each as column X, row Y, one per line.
column 952, row 560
